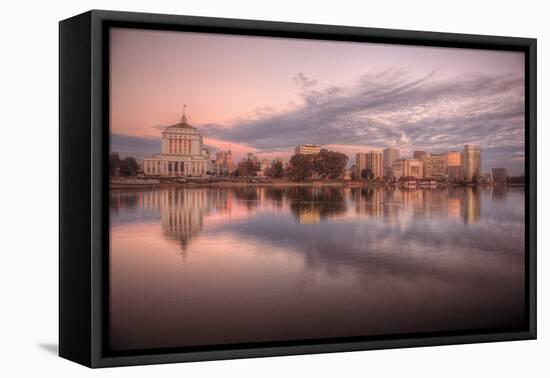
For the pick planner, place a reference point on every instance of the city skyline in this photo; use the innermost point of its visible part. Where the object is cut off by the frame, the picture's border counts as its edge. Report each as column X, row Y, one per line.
column 256, row 180
column 439, row 100
column 182, row 153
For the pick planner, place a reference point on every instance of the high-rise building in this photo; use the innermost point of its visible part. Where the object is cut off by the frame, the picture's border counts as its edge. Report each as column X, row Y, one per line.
column 307, row 149
column 453, row 159
column 375, row 161
column 420, row 155
column 453, row 165
column 413, row 168
column 397, row 169
column 224, row 162
column 372, row 160
column 453, row 172
column 390, row 155
column 408, row 168
column 435, row 165
column 470, row 162
column 500, row 176
column 360, row 163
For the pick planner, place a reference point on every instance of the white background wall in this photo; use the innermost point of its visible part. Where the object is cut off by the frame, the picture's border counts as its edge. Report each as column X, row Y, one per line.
column 29, row 189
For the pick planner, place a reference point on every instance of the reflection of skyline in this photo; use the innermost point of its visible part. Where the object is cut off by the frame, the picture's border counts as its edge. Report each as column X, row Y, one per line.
column 183, row 212
column 398, row 204
column 378, row 260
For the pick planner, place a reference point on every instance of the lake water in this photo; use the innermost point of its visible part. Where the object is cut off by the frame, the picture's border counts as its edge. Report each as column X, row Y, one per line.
column 204, row 266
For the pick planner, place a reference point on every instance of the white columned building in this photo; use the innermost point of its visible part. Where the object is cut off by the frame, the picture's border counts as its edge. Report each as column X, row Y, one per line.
column 181, row 153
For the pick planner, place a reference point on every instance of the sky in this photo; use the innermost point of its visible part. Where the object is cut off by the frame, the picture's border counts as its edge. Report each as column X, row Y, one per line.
column 266, row 95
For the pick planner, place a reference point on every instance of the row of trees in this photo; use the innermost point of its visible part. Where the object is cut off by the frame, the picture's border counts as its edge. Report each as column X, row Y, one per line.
column 251, row 167
column 276, row 170
column 122, row 167
column 516, row 180
column 324, row 165
column 247, row 168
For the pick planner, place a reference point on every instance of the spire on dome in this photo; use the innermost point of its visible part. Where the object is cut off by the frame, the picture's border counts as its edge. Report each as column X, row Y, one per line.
column 183, row 117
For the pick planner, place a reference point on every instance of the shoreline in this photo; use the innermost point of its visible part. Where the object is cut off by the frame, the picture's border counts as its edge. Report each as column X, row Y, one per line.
column 283, row 184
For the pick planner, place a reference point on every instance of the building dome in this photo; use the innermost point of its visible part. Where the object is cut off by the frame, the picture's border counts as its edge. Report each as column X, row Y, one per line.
column 180, row 126
column 182, row 153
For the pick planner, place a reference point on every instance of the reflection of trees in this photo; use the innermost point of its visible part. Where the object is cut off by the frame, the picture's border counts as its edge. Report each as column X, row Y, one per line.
column 250, row 195
column 122, row 198
column 312, row 204
column 275, row 195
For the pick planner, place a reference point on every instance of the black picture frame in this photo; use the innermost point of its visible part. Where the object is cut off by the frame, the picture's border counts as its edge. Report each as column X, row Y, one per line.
column 84, row 189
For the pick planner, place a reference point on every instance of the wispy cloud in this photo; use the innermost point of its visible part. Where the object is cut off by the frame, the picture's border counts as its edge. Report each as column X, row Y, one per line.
column 392, row 107
column 382, row 108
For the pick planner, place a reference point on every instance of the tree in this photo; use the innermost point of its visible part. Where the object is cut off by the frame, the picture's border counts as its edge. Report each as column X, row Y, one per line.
column 516, row 180
column 366, row 174
column 301, row 167
column 276, row 170
column 330, row 164
column 247, row 168
column 114, row 164
column 128, row 166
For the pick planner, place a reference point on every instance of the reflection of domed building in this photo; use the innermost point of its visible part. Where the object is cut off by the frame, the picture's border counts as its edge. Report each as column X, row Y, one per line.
column 182, row 215
column 181, row 153
column 183, row 211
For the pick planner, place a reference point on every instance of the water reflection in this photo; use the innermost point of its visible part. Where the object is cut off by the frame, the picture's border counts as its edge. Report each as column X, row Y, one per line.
column 312, row 205
column 471, row 206
column 275, row 263
column 182, row 209
column 499, row 193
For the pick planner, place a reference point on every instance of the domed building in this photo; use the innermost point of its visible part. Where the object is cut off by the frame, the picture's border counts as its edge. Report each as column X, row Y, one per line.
column 181, row 153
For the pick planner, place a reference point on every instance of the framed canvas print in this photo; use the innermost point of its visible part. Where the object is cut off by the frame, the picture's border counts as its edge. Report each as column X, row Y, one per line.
column 234, row 188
